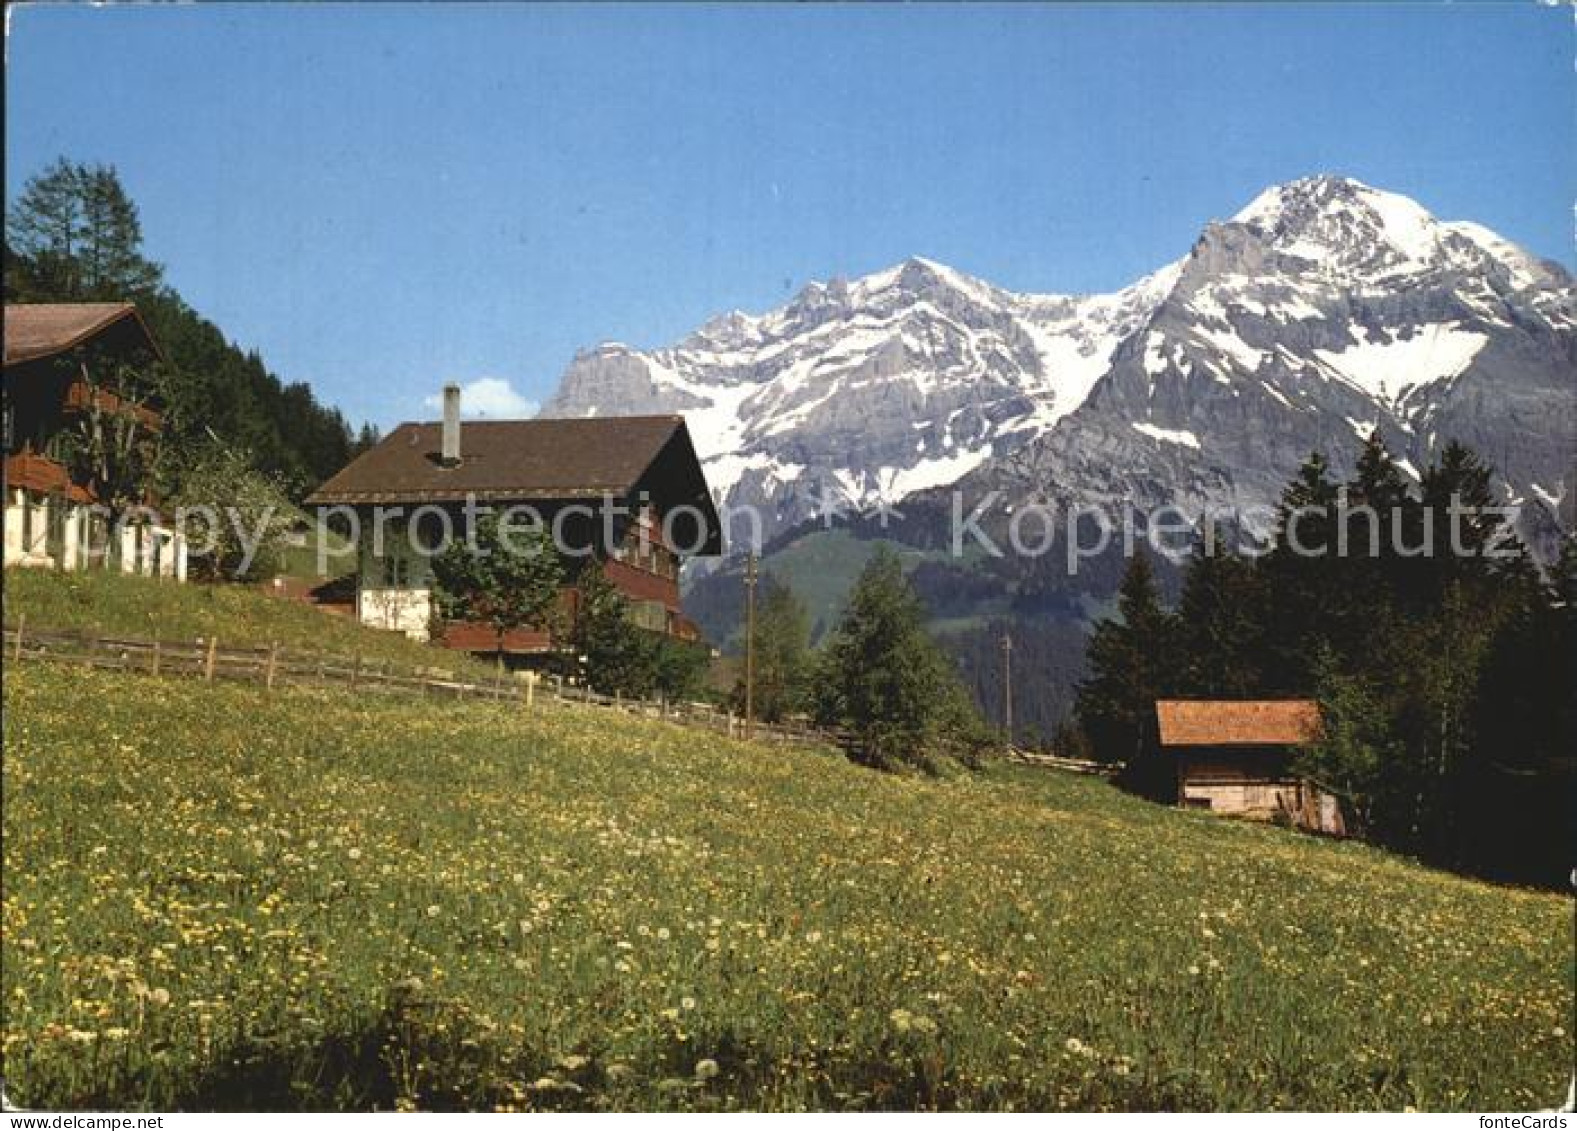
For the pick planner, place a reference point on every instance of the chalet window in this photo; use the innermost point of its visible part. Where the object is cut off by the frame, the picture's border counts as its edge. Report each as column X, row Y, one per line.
column 649, row 614
column 642, row 546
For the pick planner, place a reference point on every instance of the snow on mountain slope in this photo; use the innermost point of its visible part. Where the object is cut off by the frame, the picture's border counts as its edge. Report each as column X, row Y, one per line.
column 1323, row 309
column 867, row 390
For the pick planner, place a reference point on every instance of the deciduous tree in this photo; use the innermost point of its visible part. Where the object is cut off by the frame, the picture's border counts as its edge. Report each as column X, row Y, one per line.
column 505, row 577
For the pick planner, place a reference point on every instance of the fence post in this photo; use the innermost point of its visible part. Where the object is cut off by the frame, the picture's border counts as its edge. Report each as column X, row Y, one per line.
column 730, row 724
column 355, row 672
column 213, row 652
column 273, row 658
column 531, row 689
column 157, row 655
column 21, row 624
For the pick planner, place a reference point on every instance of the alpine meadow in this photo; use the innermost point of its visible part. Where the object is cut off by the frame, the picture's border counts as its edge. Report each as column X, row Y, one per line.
column 570, row 915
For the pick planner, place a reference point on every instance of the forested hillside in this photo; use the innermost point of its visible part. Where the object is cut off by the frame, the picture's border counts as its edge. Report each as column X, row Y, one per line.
column 74, row 236
column 1445, row 677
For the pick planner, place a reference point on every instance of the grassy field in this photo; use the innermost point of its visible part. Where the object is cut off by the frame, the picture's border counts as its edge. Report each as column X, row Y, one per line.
column 126, row 605
column 216, row 897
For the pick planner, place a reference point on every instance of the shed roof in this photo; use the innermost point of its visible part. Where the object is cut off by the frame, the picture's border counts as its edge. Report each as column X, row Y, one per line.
column 1237, row 722
column 36, row 330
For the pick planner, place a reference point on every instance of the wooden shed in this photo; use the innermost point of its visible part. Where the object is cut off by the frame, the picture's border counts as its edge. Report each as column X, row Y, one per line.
column 1235, row 756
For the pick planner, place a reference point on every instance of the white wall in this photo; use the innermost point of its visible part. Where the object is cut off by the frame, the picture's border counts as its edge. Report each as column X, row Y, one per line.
column 27, row 529
column 403, row 606
column 30, row 510
column 406, row 609
column 24, row 530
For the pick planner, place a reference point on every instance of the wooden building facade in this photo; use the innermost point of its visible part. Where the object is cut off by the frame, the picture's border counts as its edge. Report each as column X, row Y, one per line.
column 1235, row 757
column 60, row 367
column 639, row 473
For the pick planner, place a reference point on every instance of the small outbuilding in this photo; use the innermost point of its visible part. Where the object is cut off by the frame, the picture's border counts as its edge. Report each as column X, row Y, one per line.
column 1235, row 756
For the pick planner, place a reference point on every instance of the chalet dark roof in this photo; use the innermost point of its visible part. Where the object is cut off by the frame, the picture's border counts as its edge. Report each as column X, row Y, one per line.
column 1237, row 722
column 504, row 461
column 37, row 330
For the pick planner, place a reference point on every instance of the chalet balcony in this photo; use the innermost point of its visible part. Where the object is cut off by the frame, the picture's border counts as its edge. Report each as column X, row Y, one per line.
column 29, row 471
column 81, row 397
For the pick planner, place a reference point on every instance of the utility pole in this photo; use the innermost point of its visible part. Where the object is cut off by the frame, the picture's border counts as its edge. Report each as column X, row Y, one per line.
column 750, row 645
column 1007, row 686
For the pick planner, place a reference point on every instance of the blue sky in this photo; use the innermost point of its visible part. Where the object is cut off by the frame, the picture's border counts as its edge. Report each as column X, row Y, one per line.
column 384, row 198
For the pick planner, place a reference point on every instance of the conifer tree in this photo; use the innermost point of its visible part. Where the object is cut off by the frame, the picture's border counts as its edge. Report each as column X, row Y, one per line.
column 1220, row 626
column 883, row 677
column 1131, row 664
column 76, row 237
column 1378, row 520
column 1383, row 515
column 1447, row 682
column 1460, row 504
column 1525, row 737
column 618, row 656
column 1302, row 578
column 73, row 235
column 782, row 659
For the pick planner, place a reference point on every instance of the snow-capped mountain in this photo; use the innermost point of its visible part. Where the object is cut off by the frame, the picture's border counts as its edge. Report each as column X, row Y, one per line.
column 858, row 392
column 1324, row 309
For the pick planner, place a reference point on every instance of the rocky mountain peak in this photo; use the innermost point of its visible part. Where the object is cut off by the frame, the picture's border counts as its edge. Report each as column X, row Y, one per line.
column 1324, row 308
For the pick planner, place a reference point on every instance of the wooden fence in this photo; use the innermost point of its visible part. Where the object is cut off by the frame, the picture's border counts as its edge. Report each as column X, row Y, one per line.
column 209, row 660
column 1056, row 762
column 275, row 667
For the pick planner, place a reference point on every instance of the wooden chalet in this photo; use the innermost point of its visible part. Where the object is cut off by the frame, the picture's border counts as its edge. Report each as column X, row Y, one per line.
column 58, row 362
column 1235, row 756
column 644, row 465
